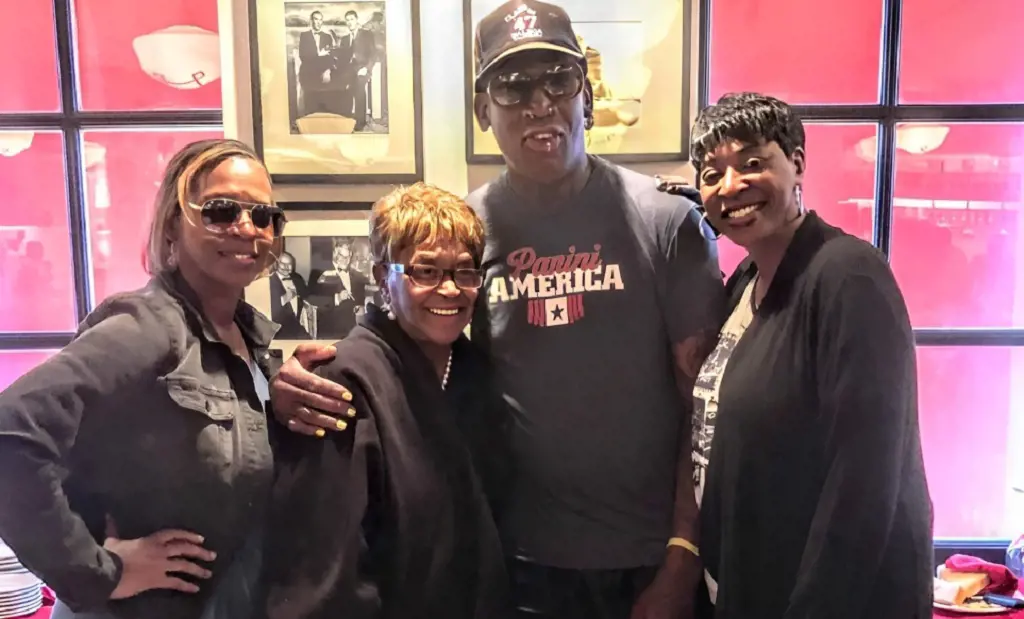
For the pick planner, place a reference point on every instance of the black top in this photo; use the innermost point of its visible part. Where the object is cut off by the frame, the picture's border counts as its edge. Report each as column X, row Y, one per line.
column 815, row 503
column 146, row 417
column 388, row 519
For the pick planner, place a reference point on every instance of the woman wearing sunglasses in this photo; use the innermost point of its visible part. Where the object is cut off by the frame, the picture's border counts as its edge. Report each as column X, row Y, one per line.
column 390, row 519
column 135, row 463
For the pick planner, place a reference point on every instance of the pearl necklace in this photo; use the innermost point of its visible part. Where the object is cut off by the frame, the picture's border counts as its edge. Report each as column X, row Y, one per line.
column 447, row 371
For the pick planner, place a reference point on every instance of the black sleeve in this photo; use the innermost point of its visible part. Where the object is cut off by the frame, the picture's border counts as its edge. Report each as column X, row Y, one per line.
column 324, row 491
column 307, row 47
column 868, row 396
column 694, row 297
column 40, row 416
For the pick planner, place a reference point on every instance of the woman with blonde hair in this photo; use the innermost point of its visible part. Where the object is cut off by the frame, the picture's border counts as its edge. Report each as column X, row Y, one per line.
column 135, row 463
column 394, row 519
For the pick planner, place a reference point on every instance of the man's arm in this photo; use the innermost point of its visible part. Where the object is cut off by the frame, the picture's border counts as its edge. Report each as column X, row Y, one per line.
column 688, row 355
column 692, row 300
column 364, row 41
column 307, row 47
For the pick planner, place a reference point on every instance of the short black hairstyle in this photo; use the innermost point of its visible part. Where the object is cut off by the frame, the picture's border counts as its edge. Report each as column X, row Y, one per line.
column 352, row 13
column 314, row 14
column 748, row 117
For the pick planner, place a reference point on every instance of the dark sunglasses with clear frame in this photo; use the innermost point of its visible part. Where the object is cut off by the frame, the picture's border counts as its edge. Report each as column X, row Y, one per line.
column 558, row 83
column 220, row 213
column 430, row 276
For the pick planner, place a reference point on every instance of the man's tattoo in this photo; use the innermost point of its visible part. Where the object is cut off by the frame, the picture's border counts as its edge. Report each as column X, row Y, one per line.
column 693, row 351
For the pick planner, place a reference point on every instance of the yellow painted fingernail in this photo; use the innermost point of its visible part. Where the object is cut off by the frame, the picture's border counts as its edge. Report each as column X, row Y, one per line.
column 320, row 433
column 347, row 396
column 351, row 412
column 342, row 425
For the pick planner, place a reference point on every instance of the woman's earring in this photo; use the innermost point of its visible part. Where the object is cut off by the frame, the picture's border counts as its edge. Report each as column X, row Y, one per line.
column 387, row 308
column 705, row 224
column 800, row 200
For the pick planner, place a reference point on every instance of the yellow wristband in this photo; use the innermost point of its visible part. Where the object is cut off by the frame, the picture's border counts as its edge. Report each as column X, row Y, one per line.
column 684, row 543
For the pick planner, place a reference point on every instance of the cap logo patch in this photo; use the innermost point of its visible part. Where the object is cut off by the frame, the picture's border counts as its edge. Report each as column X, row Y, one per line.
column 524, row 23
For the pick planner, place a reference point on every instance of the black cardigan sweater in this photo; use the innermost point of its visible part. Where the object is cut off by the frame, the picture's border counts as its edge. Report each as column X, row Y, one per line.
column 394, row 517
column 815, row 504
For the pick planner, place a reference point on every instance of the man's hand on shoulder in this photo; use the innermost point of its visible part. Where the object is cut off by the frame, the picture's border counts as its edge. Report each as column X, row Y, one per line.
column 305, row 402
column 677, row 186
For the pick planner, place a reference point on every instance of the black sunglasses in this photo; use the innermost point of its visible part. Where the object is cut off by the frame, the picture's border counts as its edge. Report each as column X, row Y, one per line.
column 430, row 276
column 559, row 83
column 219, row 213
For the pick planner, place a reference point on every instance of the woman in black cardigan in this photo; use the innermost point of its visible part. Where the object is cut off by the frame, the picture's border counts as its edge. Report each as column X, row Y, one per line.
column 806, row 445
column 394, row 518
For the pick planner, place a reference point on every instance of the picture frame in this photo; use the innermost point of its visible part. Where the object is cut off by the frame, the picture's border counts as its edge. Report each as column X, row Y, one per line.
column 641, row 78
column 324, row 206
column 322, row 282
column 315, row 67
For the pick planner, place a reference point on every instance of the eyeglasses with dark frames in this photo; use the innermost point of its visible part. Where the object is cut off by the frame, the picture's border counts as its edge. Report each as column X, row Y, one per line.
column 430, row 276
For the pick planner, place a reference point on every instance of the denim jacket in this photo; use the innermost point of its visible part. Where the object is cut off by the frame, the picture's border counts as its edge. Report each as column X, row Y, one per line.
column 145, row 417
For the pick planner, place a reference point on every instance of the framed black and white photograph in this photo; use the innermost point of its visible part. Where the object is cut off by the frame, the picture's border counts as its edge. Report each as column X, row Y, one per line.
column 322, row 282
column 637, row 56
column 324, row 205
column 339, row 60
column 336, row 93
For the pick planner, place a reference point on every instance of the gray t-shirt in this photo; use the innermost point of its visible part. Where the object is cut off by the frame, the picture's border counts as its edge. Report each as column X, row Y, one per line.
column 580, row 307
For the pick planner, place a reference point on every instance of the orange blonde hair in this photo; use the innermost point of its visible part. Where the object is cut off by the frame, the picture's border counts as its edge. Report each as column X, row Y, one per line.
column 423, row 214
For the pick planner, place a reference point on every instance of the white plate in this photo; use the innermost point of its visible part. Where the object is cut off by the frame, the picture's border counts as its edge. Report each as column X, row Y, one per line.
column 12, row 582
column 20, row 606
column 975, row 610
column 20, row 597
column 8, row 596
column 22, row 611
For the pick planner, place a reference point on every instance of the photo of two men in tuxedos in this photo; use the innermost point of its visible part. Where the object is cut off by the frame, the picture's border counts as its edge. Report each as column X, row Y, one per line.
column 337, row 67
column 321, row 287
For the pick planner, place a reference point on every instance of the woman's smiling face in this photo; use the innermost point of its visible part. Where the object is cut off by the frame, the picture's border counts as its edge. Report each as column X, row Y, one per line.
column 750, row 190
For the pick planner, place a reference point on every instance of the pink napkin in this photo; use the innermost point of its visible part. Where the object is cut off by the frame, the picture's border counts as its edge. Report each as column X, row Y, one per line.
column 1003, row 580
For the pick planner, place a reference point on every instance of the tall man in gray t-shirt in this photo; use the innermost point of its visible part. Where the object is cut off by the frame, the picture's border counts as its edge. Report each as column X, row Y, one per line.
column 601, row 297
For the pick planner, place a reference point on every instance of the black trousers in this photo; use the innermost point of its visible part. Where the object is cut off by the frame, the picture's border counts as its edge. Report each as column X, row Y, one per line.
column 541, row 592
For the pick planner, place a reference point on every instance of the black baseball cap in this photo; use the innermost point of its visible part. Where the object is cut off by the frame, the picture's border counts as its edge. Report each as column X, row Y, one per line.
column 519, row 26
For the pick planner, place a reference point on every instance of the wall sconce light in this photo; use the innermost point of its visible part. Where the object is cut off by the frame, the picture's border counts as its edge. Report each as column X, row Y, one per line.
column 182, row 57
column 14, row 142
column 912, row 139
column 920, row 139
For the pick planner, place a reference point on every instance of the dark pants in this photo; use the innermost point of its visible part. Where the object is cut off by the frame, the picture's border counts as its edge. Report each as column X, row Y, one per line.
column 541, row 592
column 359, row 100
column 702, row 606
